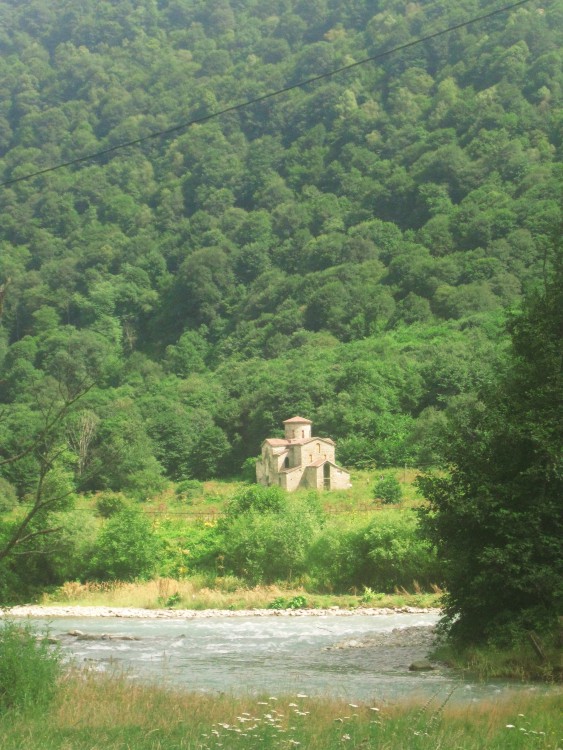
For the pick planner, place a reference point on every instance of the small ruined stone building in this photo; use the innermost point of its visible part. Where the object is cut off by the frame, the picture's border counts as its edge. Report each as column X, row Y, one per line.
column 300, row 460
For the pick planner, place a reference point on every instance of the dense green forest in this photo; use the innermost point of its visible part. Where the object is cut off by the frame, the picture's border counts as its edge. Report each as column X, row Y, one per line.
column 345, row 251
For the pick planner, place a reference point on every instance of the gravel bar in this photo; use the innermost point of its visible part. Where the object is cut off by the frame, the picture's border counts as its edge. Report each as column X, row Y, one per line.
column 31, row 610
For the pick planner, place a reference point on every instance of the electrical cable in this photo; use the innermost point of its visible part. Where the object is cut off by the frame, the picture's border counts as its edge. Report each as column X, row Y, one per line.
column 264, row 97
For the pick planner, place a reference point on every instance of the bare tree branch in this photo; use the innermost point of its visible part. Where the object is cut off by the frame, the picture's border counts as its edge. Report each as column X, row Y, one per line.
column 51, row 421
column 32, row 535
column 47, row 453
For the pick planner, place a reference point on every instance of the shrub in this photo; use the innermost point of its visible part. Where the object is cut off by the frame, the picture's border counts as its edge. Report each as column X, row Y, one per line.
column 185, row 548
column 127, row 547
column 257, row 499
column 110, row 503
column 382, row 555
column 66, row 560
column 397, row 554
column 187, row 489
column 295, row 602
column 388, row 489
column 267, row 534
column 29, row 669
column 338, row 556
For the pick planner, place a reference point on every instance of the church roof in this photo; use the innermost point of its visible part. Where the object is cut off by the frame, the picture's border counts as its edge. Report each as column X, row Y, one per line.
column 297, row 420
column 279, row 442
column 321, row 462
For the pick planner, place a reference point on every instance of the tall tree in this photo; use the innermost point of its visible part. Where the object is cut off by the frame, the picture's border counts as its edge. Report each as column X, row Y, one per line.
column 496, row 517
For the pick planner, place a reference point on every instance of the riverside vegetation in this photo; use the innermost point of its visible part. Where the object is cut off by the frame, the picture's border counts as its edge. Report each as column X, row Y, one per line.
column 250, row 537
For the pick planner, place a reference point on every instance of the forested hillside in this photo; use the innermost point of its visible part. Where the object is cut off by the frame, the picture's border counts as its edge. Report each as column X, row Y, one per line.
column 345, row 251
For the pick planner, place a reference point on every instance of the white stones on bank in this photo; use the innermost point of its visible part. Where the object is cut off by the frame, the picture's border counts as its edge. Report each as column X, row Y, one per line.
column 30, row 610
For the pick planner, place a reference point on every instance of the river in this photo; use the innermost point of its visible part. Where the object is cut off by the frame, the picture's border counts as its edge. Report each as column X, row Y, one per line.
column 356, row 657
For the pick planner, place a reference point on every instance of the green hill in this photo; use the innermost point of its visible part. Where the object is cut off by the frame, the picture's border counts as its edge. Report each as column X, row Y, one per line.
column 345, row 250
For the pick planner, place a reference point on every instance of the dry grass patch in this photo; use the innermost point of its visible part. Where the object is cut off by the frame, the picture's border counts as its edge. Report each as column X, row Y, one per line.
column 94, row 711
column 193, row 593
column 227, row 592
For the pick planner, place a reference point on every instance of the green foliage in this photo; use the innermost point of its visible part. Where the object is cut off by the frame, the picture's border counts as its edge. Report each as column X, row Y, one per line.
column 397, row 554
column 257, row 499
column 127, row 548
column 110, row 503
column 171, row 600
column 248, row 470
column 123, row 455
column 369, row 596
column 294, row 602
column 388, row 489
column 336, row 557
column 29, row 669
column 8, row 496
column 267, row 533
column 66, row 558
column 188, row 488
column 207, row 457
column 495, row 517
column 381, row 555
column 186, row 548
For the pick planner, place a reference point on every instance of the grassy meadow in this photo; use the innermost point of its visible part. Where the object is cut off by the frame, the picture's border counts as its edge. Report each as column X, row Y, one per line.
column 209, row 498
column 94, row 713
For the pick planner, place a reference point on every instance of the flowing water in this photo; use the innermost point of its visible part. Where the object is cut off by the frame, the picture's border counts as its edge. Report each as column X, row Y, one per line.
column 358, row 657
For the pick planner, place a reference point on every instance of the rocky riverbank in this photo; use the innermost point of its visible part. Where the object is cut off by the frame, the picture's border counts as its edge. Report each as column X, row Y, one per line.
column 32, row 610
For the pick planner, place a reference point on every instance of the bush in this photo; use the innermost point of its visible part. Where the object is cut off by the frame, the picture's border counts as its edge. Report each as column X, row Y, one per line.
column 388, row 489
column 127, row 548
column 66, row 560
column 295, row 602
column 397, row 554
column 337, row 557
column 267, row 534
column 29, row 669
column 187, row 489
column 257, row 499
column 384, row 554
column 110, row 503
column 187, row 548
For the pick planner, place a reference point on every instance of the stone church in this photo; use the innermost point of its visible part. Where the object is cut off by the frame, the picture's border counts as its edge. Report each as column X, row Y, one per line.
column 300, row 460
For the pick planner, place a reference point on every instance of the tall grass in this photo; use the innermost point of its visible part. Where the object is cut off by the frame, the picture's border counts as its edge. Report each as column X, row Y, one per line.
column 93, row 713
column 227, row 592
column 29, row 669
column 520, row 662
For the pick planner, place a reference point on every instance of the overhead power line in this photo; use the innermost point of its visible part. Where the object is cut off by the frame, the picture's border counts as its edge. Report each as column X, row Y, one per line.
column 264, row 97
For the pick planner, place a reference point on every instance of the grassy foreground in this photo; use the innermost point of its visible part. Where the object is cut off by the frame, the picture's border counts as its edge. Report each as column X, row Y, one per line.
column 94, row 713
